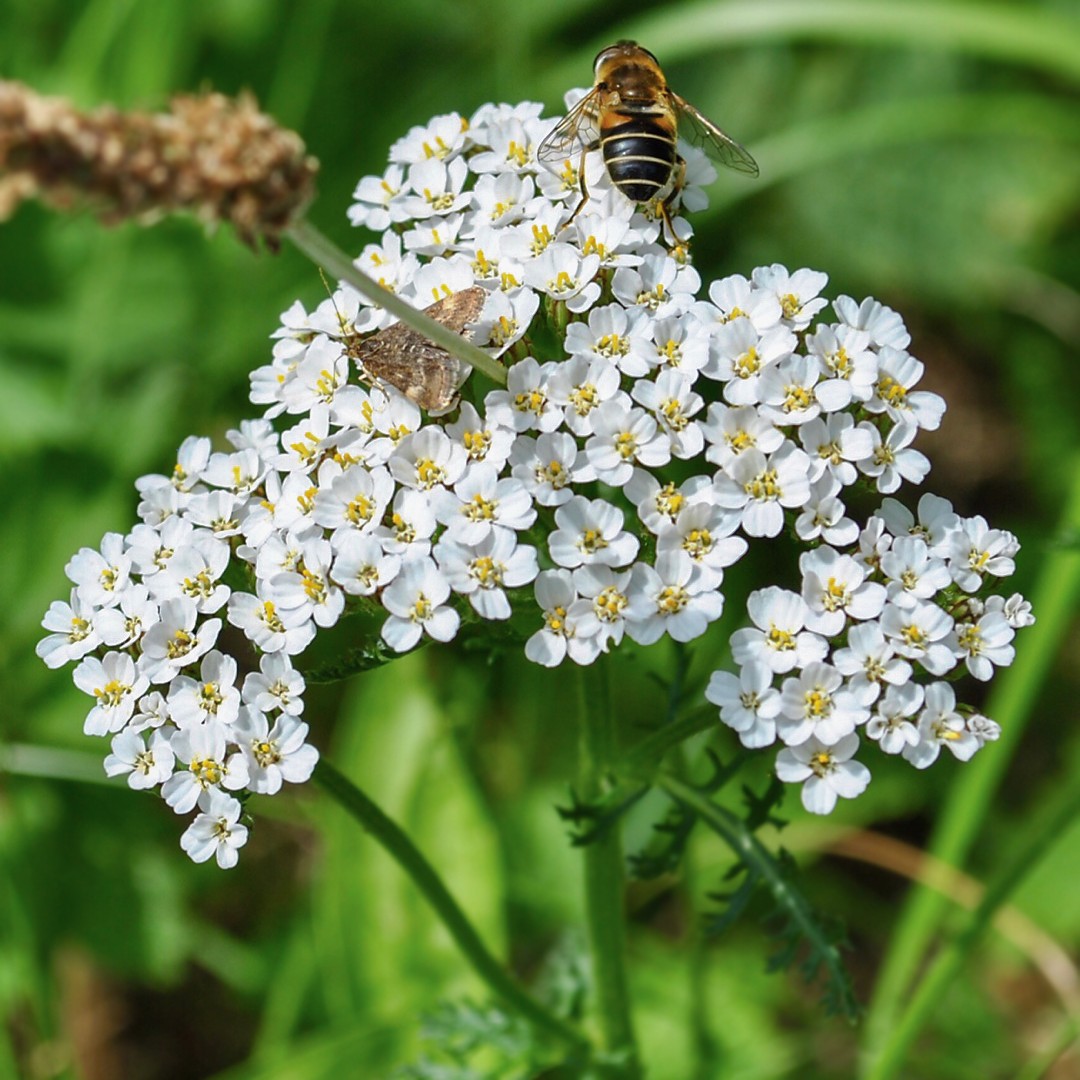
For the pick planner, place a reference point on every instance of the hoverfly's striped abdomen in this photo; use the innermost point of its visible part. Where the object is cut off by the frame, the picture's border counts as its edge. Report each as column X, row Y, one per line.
column 639, row 155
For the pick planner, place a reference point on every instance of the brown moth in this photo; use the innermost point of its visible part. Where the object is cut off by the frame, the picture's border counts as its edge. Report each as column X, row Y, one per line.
column 420, row 369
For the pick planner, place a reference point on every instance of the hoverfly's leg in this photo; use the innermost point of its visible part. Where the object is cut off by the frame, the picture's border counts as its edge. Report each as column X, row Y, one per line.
column 665, row 204
column 584, row 189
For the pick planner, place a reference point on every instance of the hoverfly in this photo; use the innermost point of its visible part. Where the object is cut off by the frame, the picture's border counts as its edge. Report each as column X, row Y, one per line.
column 633, row 117
column 420, row 369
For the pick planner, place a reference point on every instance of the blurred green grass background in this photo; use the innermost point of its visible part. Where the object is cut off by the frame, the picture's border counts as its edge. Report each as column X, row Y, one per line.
column 927, row 154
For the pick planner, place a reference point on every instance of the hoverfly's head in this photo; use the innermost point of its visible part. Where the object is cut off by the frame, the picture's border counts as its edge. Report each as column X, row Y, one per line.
column 618, row 54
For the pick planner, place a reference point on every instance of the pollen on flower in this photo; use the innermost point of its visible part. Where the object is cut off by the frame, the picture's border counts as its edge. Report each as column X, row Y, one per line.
column 592, row 541
column 698, row 543
column 504, row 329
column 672, row 599
column 891, row 392
column 530, row 401
column 486, row 572
column 610, row 604
column 112, row 693
column 429, row 473
column 266, row 753
column 480, row 509
column 790, row 305
column 747, row 364
column 180, row 644
column 207, row 771
column 764, row 486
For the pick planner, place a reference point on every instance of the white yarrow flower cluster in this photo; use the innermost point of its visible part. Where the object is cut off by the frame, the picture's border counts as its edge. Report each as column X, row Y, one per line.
column 552, row 495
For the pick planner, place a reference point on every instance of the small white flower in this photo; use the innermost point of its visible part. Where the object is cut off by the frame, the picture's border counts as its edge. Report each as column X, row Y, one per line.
column 353, row 499
column 361, row 567
column 813, row 703
column 762, row 487
column 912, row 573
column 309, row 588
column 270, row 628
column 590, row 532
column 415, row 600
column 892, row 461
column 563, row 273
column 563, row 611
column 212, row 696
column 481, row 503
column 798, row 292
column 919, row 633
column 828, row 772
column 848, row 368
column 101, row 576
column 549, row 465
column 204, row 750
column 869, row 661
column 428, row 458
column 659, row 285
column 1016, row 610
column 788, row 393
column 749, row 703
column 659, row 505
column 897, row 373
column 883, row 325
column 975, row 550
column 608, row 595
column 778, row 639
column 579, row 386
column 739, row 357
column 890, row 725
column 145, row 766
column 983, row 644
column 276, row 685
column 411, row 525
column 935, row 524
column 481, row 570
column 940, row 725
column 732, row 430
column 823, row 515
column 216, row 831
column 525, row 404
column 833, row 443
column 72, row 631
column 115, row 685
column 670, row 599
column 673, row 404
column 482, row 440
column 835, row 589
column 735, row 297
column 624, row 437
column 274, row 755
column 704, row 531
column 175, row 642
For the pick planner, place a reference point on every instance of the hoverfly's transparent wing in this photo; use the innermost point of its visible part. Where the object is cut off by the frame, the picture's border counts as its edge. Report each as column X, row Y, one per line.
column 700, row 131
column 578, row 130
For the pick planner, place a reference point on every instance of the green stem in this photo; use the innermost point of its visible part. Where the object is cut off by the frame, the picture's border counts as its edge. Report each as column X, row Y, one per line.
column 398, row 845
column 326, row 254
column 605, row 878
column 1016, row 693
column 933, row 985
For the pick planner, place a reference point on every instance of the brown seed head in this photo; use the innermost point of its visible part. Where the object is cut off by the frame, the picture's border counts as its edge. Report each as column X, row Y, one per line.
column 213, row 156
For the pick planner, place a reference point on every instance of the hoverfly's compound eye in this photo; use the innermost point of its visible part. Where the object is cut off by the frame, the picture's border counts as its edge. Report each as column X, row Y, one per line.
column 606, row 54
